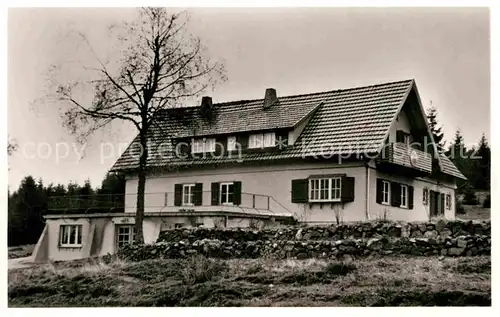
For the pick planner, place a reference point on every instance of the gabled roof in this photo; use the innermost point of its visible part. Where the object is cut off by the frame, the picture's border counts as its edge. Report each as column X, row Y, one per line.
column 245, row 115
column 450, row 169
column 346, row 121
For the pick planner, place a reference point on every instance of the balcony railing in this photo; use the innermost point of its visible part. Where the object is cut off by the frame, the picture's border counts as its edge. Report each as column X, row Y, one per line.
column 158, row 203
column 401, row 154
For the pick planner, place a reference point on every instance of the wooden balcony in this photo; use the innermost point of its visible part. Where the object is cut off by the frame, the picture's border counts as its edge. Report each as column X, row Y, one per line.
column 402, row 157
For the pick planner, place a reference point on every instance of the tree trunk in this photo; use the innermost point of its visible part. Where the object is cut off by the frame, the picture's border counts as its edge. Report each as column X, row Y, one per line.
column 141, row 186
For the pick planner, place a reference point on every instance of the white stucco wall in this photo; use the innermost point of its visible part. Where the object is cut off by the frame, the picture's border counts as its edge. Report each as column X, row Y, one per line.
column 58, row 253
column 420, row 212
column 275, row 181
column 401, row 123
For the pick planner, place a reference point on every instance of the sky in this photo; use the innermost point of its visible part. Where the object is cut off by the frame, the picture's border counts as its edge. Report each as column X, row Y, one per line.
column 294, row 50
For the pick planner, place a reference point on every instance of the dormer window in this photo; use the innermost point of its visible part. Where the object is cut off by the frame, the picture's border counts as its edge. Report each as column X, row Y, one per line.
column 203, row 145
column 231, row 143
column 269, row 139
column 262, row 140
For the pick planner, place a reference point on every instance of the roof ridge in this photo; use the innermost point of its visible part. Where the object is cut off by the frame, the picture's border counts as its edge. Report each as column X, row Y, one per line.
column 236, row 102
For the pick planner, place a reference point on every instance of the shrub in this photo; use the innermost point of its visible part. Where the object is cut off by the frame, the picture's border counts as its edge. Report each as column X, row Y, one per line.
column 339, row 268
column 460, row 210
column 470, row 196
column 199, row 269
column 487, row 202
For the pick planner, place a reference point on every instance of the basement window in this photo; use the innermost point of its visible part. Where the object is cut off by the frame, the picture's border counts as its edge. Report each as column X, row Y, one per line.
column 125, row 234
column 70, row 236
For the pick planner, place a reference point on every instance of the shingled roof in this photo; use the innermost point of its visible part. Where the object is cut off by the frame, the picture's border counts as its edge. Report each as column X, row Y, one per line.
column 450, row 169
column 346, row 121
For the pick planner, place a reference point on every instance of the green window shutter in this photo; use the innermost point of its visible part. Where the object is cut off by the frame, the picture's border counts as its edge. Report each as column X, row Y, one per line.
column 347, row 189
column 410, row 197
column 178, row 195
column 380, row 188
column 395, row 194
column 442, row 204
column 198, row 194
column 215, row 193
column 400, row 136
column 300, row 191
column 237, row 193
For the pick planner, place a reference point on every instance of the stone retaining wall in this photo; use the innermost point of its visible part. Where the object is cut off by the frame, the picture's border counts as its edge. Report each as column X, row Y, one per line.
column 450, row 246
column 363, row 230
column 453, row 238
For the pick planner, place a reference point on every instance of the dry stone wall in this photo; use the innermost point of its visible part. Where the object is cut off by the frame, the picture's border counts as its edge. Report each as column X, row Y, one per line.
column 445, row 238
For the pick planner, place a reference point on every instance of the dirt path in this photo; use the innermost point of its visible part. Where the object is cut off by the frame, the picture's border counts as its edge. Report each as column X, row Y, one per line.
column 20, row 263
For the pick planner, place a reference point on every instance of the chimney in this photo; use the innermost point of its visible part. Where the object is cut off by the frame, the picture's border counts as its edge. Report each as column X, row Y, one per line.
column 270, row 98
column 206, row 102
column 206, row 108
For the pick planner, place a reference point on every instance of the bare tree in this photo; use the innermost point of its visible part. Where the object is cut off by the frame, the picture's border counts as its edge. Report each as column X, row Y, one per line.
column 160, row 66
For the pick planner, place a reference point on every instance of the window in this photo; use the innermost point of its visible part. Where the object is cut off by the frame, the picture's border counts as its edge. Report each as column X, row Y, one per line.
column 448, row 202
column 406, row 139
column 404, row 196
column 324, row 189
column 209, row 145
column 425, row 196
column 203, row 145
column 125, row 235
column 256, row 141
column 262, row 140
column 386, row 192
column 70, row 236
column 187, row 194
column 269, row 139
column 231, row 143
column 197, row 146
column 166, row 200
column 226, row 193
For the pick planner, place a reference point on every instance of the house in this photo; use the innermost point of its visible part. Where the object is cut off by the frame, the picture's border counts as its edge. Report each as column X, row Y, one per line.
column 356, row 154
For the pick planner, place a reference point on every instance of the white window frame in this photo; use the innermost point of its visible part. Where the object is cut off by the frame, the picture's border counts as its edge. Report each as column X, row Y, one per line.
column 231, row 143
column 269, row 139
column 227, row 184
column 197, row 146
column 209, row 145
column 187, row 192
column 129, row 236
column 384, row 192
column 404, row 196
column 256, row 141
column 325, row 189
column 425, row 196
column 65, row 235
column 447, row 202
column 203, row 145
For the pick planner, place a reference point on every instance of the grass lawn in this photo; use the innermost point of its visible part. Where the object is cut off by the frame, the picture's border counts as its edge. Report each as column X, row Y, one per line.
column 387, row 281
column 475, row 213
